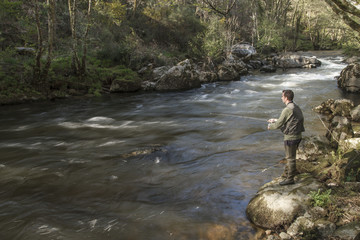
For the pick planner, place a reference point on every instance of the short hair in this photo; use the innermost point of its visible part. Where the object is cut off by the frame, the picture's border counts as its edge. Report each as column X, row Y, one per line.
column 289, row 94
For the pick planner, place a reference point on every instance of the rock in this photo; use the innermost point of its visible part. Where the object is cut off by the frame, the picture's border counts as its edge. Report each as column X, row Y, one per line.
column 355, row 114
column 243, row 50
column 325, row 107
column 349, row 231
column 207, row 77
column 255, row 64
column 228, row 73
column 268, row 69
column 353, row 59
column 295, row 61
column 338, row 114
column 350, row 143
column 313, row 145
column 349, row 79
column 299, row 225
column 231, row 69
column 340, row 130
column 317, row 212
column 342, row 107
column 284, row 236
column 325, row 228
column 123, row 85
column 183, row 76
column 339, row 107
column 25, row 50
column 275, row 206
column 158, row 72
column 148, row 86
column 272, row 237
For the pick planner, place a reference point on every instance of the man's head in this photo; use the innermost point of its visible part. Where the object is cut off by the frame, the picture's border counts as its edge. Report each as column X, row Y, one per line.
column 287, row 96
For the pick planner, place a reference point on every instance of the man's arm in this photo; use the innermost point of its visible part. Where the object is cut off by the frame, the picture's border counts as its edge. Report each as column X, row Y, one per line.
column 284, row 116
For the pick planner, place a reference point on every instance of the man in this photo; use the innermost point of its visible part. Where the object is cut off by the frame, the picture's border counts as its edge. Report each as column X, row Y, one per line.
column 291, row 123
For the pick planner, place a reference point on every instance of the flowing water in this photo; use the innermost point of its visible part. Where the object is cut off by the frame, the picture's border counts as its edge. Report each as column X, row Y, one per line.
column 179, row 165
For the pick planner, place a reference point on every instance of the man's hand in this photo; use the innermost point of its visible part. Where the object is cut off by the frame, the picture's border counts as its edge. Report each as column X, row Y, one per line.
column 272, row 120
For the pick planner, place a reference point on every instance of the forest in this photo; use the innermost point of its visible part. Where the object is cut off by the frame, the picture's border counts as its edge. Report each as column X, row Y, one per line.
column 51, row 49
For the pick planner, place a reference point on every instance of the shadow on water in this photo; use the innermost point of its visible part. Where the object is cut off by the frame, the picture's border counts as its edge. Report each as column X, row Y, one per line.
column 152, row 165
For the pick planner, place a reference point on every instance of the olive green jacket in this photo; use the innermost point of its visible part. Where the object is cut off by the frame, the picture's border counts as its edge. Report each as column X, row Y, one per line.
column 291, row 122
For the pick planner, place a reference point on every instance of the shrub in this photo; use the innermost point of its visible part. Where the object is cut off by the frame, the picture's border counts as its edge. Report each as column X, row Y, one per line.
column 320, row 199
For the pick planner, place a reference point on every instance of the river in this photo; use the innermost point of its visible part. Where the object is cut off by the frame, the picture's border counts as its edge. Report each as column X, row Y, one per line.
column 178, row 165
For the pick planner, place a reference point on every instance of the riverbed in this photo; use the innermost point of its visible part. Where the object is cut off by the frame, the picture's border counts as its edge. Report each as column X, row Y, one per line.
column 177, row 165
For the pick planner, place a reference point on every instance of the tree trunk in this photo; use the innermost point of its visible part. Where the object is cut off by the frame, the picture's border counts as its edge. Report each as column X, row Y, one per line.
column 83, row 64
column 51, row 33
column 72, row 15
column 39, row 52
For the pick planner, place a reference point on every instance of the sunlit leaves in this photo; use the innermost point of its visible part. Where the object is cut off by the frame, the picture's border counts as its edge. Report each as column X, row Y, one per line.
column 115, row 10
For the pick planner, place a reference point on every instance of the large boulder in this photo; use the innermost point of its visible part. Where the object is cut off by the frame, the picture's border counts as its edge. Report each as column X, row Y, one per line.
column 268, row 69
column 349, row 79
column 243, row 50
column 295, row 61
column 350, row 231
column 338, row 114
column 276, row 206
column 231, row 69
column 340, row 129
column 313, row 146
column 207, row 77
column 355, row 114
column 183, row 76
column 338, row 107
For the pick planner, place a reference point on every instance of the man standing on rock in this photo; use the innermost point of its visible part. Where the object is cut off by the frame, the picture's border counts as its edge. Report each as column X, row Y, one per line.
column 291, row 123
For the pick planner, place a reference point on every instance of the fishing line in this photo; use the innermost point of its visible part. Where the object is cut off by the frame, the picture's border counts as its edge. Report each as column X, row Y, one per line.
column 239, row 116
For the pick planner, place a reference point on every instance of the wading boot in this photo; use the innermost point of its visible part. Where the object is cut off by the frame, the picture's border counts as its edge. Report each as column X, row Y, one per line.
column 291, row 172
column 287, row 181
column 285, row 173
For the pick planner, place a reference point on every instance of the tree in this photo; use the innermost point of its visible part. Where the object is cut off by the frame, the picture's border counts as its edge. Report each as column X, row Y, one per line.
column 79, row 66
column 222, row 7
column 41, row 71
column 348, row 11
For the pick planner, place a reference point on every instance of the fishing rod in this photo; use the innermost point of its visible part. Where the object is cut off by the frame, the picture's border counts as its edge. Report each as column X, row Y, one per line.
column 239, row 116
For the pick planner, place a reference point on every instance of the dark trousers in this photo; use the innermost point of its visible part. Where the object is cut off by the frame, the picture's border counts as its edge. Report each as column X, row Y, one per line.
column 290, row 154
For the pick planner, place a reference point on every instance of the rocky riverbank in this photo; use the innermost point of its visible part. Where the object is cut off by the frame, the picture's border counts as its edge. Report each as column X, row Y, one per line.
column 324, row 202
column 241, row 60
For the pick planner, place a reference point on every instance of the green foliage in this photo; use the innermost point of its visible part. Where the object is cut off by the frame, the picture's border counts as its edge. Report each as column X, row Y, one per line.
column 270, row 34
column 209, row 43
column 115, row 11
column 337, row 156
column 114, row 53
column 320, row 199
column 95, row 89
column 351, row 176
